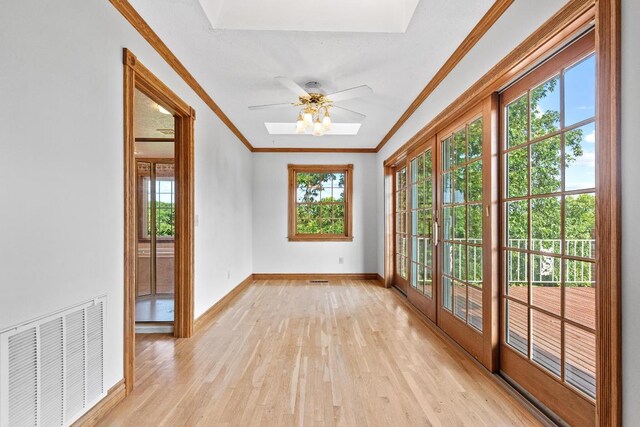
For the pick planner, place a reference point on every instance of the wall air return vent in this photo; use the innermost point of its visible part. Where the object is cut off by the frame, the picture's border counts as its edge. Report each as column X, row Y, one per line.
column 52, row 368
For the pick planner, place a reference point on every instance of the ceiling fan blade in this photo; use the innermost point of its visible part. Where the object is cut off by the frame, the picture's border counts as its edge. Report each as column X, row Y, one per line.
column 354, row 92
column 355, row 113
column 263, row 107
column 292, row 86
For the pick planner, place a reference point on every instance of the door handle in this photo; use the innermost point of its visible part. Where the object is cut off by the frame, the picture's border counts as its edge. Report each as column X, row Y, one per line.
column 436, row 233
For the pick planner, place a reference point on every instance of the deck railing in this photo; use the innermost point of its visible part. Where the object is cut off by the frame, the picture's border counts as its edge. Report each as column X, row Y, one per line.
column 545, row 271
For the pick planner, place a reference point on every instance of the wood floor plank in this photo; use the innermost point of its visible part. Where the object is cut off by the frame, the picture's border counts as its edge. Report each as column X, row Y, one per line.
column 346, row 353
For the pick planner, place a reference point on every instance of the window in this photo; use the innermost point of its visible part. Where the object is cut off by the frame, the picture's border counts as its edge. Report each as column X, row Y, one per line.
column 320, row 202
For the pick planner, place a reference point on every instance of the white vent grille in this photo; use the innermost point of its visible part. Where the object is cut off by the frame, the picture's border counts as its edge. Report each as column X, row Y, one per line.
column 52, row 369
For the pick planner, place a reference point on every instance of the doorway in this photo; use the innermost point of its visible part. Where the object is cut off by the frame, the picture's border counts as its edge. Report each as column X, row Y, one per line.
column 158, row 202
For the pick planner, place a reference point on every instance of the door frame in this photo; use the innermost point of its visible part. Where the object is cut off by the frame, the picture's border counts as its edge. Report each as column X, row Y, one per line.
column 137, row 76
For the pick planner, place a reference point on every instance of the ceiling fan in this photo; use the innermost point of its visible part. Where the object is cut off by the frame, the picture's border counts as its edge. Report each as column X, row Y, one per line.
column 315, row 105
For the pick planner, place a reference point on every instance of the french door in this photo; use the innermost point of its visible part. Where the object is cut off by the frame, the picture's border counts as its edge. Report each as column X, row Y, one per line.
column 445, row 231
column 468, row 244
column 422, row 229
column 400, row 229
column 548, row 153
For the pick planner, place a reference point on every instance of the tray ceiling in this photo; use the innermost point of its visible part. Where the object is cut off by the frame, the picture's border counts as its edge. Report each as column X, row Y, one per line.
column 237, row 67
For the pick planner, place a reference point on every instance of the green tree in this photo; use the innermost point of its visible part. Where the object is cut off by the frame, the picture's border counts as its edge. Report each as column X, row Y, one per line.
column 542, row 175
column 320, row 203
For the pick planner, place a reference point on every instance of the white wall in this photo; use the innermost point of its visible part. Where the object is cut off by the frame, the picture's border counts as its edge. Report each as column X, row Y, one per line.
column 61, row 168
column 630, row 213
column 518, row 22
column 273, row 253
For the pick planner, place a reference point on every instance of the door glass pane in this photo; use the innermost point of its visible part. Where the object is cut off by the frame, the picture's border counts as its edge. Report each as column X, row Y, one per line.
column 546, row 232
column 546, row 280
column 580, row 156
column 459, row 147
column 517, row 172
column 518, row 224
column 517, row 326
column 580, row 225
column 580, row 292
column 545, row 166
column 447, row 293
column 401, row 214
column 475, row 307
column 460, row 300
column 475, row 139
column 546, row 337
column 517, row 122
column 545, row 108
column 550, row 215
column 580, row 91
column 462, row 223
column 517, row 275
column 422, row 222
column 580, row 356
column 165, row 227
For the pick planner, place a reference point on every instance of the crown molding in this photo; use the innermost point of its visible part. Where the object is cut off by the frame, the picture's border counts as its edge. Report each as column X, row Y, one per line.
column 134, row 18
column 312, row 150
column 488, row 20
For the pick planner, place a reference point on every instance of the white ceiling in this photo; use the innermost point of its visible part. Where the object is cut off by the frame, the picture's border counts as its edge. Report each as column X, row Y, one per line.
column 237, row 67
column 385, row 16
column 147, row 120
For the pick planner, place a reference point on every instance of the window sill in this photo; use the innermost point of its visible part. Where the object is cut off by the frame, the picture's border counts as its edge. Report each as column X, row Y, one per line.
column 320, row 238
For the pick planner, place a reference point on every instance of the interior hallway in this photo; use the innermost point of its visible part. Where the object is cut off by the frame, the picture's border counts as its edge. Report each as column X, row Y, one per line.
column 293, row 353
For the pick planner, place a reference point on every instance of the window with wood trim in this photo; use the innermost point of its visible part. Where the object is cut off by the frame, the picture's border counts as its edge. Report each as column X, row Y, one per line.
column 320, row 202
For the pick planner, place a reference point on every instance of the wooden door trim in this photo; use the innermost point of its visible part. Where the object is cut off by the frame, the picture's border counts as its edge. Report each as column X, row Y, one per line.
column 137, row 76
column 608, row 215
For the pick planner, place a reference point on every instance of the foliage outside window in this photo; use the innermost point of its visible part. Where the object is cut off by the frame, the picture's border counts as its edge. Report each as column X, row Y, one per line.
column 320, row 202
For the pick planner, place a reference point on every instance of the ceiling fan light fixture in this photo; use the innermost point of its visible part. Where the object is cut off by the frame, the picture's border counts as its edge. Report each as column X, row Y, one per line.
column 300, row 124
column 317, row 128
column 308, row 118
column 326, row 122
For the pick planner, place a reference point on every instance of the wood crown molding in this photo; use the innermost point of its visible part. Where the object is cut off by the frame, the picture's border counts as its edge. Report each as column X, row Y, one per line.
column 114, row 396
column 313, row 150
column 134, row 18
column 488, row 20
column 575, row 15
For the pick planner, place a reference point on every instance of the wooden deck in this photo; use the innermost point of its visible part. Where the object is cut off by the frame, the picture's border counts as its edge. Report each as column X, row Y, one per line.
column 293, row 353
column 580, row 364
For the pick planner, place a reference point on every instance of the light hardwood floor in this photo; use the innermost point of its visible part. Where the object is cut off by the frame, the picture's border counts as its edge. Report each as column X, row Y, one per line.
column 294, row 353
